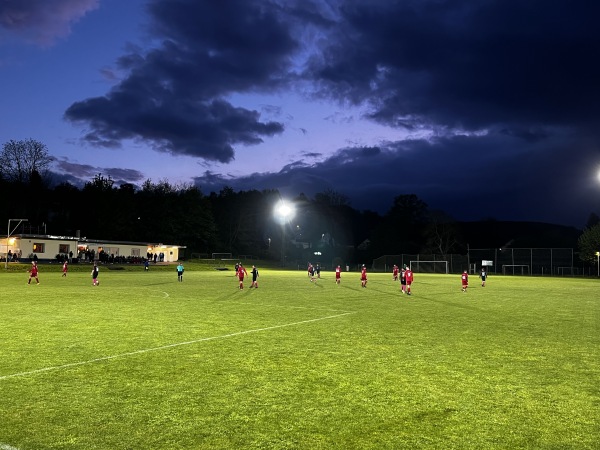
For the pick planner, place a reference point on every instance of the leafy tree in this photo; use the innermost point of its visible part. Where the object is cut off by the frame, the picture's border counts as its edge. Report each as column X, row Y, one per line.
column 97, row 216
column 402, row 228
column 244, row 220
column 593, row 219
column 192, row 222
column 589, row 243
column 64, row 200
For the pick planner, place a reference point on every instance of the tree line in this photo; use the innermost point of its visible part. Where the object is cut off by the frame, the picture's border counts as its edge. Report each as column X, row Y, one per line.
column 324, row 227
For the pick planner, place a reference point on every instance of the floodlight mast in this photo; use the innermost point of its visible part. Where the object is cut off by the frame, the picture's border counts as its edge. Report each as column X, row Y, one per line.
column 9, row 232
column 284, row 211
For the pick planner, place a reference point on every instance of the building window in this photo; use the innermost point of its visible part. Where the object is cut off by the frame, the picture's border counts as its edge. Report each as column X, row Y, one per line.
column 38, row 248
column 135, row 252
column 63, row 248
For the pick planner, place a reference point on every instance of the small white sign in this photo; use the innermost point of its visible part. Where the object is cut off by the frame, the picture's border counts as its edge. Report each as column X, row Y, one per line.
column 485, row 263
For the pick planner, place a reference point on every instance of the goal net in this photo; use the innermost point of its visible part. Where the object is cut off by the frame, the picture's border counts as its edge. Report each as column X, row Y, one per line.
column 429, row 266
column 222, row 256
column 516, row 269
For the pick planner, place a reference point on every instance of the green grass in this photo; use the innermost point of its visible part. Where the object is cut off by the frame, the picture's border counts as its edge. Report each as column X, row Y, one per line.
column 145, row 362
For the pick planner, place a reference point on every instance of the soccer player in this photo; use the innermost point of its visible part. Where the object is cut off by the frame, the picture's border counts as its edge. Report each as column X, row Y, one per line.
column 65, row 268
column 180, row 271
column 395, row 273
column 33, row 273
column 465, row 281
column 254, row 273
column 338, row 275
column 363, row 276
column 403, row 280
column 408, row 276
column 311, row 272
column 241, row 273
column 95, row 272
column 483, row 276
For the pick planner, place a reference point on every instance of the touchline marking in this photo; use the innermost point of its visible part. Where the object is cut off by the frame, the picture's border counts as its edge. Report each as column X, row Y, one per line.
column 164, row 347
column 7, row 447
column 269, row 305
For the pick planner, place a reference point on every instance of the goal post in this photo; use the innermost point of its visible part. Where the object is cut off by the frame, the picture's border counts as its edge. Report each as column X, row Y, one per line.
column 222, row 256
column 516, row 269
column 429, row 266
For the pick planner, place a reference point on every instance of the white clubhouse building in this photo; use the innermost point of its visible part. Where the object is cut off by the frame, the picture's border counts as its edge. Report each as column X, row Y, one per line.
column 47, row 247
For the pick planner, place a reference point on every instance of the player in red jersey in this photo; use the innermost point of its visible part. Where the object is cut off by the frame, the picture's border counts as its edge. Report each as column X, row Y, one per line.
column 363, row 276
column 33, row 273
column 338, row 275
column 65, row 268
column 311, row 272
column 465, row 281
column 408, row 275
column 241, row 273
column 395, row 273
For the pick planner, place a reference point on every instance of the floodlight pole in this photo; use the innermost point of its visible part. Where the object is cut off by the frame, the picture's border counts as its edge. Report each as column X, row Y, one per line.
column 284, row 212
column 8, row 233
column 283, row 244
column 598, row 263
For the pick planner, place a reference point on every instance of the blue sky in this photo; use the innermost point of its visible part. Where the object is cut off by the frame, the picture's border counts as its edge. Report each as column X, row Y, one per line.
column 482, row 109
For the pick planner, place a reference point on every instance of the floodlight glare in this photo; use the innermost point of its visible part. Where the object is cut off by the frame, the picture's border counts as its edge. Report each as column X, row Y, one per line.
column 284, row 211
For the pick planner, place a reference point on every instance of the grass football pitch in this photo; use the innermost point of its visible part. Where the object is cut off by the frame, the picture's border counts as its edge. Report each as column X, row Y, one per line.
column 145, row 362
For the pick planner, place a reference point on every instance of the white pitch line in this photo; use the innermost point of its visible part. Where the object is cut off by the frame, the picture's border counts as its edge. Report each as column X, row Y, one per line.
column 270, row 305
column 7, row 447
column 164, row 347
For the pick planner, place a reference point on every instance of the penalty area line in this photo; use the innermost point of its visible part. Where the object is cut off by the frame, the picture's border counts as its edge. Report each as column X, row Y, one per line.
column 165, row 347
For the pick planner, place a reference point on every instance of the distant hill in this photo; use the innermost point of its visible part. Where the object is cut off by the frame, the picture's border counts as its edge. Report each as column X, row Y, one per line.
column 497, row 234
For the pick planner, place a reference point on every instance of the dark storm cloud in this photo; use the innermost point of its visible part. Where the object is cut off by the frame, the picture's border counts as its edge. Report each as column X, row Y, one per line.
column 76, row 170
column 505, row 92
column 174, row 95
column 43, row 21
column 76, row 173
column 174, row 125
column 468, row 177
column 465, row 64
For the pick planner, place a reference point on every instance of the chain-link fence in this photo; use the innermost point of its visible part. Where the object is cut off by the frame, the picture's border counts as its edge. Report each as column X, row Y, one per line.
column 422, row 263
column 526, row 261
column 507, row 261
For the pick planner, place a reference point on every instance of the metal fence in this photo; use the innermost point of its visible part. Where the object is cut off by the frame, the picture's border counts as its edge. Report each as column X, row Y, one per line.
column 456, row 263
column 507, row 261
column 527, row 261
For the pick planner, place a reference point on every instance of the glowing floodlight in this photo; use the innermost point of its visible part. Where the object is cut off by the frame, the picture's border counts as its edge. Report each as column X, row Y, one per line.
column 284, row 211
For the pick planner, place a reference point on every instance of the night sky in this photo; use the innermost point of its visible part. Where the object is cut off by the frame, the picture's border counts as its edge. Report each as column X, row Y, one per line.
column 483, row 109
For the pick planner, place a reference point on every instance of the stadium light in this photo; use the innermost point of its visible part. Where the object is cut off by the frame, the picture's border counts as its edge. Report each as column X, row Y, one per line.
column 284, row 211
column 8, row 233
